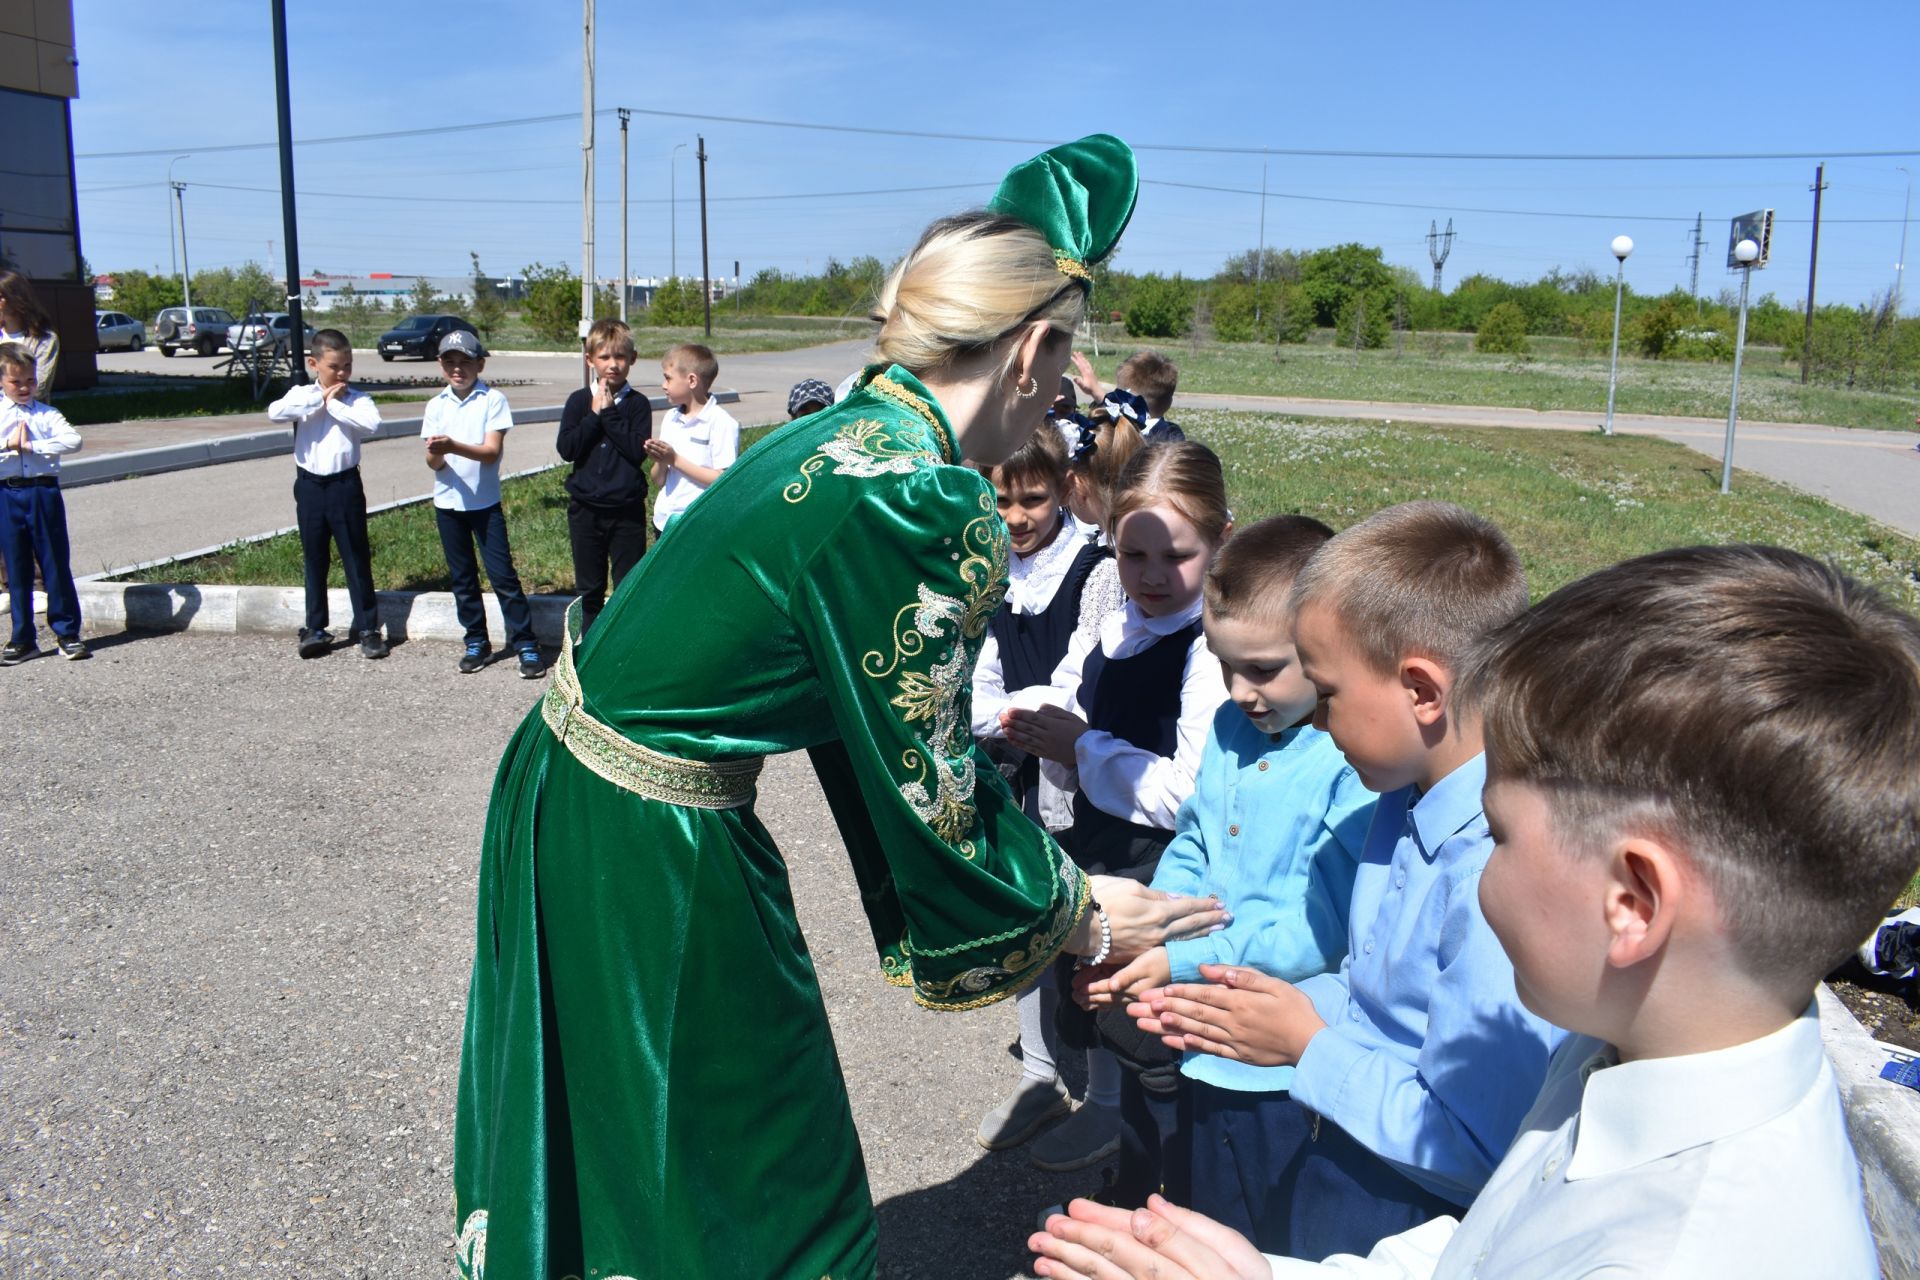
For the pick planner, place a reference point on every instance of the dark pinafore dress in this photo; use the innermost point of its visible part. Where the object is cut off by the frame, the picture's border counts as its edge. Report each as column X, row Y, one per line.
column 1031, row 645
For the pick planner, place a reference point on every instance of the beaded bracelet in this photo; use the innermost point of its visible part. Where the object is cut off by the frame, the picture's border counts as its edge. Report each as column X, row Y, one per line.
column 1106, row 937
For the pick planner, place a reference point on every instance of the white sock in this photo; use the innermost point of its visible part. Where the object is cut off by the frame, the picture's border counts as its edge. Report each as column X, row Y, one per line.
column 1103, row 1079
column 1035, row 1006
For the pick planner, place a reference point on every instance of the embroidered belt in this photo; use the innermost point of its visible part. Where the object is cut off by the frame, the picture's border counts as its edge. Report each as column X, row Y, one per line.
column 692, row 784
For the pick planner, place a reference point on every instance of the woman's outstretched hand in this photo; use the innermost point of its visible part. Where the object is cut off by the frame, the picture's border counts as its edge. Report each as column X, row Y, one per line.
column 1143, row 918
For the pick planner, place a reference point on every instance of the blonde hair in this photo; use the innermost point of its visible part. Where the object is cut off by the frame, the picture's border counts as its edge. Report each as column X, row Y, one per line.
column 1185, row 476
column 1115, row 441
column 691, row 357
column 971, row 282
column 1424, row 579
column 608, row 332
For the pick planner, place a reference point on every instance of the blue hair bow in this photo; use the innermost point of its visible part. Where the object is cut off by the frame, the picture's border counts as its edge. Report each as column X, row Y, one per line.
column 1124, row 403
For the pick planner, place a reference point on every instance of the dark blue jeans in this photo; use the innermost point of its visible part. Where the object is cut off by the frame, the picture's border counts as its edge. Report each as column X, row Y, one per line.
column 460, row 533
column 1294, row 1183
column 36, row 531
column 329, row 510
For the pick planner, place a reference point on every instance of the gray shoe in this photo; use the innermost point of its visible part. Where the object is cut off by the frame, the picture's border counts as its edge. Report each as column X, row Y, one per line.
column 1031, row 1107
column 1086, row 1137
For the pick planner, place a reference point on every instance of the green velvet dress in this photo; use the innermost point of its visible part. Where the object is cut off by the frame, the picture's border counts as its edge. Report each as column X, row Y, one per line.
column 648, row 1086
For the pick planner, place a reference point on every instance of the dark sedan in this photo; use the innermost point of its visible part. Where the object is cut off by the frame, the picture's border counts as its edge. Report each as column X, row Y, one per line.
column 420, row 336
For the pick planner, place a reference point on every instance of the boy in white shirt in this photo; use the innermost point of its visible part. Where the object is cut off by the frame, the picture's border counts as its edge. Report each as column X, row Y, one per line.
column 465, row 429
column 33, row 516
column 1701, row 791
column 330, row 419
column 697, row 440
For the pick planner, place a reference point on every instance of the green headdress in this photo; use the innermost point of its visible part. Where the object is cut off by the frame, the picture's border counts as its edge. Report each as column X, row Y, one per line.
column 1079, row 196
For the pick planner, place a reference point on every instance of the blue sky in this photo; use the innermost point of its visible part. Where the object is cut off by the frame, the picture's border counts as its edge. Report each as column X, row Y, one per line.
column 1480, row 78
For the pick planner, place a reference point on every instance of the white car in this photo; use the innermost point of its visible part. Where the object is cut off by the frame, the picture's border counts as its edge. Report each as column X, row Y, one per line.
column 271, row 329
column 118, row 331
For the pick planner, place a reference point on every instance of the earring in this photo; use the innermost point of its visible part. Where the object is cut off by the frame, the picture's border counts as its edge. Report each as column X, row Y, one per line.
column 1030, row 392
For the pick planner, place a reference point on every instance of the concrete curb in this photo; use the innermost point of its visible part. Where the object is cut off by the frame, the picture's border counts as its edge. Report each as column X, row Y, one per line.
column 212, row 610
column 1884, row 1121
column 278, row 442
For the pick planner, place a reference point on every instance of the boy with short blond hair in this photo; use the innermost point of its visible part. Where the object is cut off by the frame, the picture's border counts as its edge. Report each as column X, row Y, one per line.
column 1415, row 1062
column 697, row 440
column 1153, row 378
column 1700, row 769
column 604, row 431
column 33, row 516
column 330, row 418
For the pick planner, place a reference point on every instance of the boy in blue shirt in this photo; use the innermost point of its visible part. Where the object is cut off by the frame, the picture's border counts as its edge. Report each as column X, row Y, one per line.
column 1415, row 1063
column 1274, row 829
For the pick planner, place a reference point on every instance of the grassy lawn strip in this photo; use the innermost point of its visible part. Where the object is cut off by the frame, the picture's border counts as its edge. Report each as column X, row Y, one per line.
column 1571, row 503
column 1441, row 369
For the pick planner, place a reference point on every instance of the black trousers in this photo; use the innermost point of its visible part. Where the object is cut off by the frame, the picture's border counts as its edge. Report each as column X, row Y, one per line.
column 333, row 510
column 599, row 535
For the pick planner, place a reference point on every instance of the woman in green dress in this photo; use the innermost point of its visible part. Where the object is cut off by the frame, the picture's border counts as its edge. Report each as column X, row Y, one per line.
column 648, row 1086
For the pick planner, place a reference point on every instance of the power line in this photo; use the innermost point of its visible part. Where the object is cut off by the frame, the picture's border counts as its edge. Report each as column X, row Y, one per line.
column 362, row 195
column 874, row 131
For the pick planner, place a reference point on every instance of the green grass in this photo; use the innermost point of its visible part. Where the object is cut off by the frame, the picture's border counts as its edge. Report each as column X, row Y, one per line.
column 1442, row 369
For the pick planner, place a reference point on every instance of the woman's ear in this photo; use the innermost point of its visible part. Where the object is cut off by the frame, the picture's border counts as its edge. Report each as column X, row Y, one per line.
column 1027, row 354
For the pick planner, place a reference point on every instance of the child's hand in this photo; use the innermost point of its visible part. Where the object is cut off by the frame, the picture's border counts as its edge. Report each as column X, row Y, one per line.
column 437, row 446
column 335, row 392
column 1086, row 977
column 1048, row 732
column 18, row 440
column 1149, row 969
column 1160, row 1242
column 1237, row 1013
column 659, row 450
column 602, row 396
column 1086, row 379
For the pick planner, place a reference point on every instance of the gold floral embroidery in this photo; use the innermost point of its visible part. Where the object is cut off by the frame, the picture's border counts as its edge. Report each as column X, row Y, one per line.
column 863, row 448
column 471, row 1250
column 983, row 984
column 883, row 385
column 1068, row 265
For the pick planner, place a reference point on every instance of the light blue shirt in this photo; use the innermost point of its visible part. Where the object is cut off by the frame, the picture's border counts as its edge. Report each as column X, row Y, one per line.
column 463, row 484
column 1275, row 828
column 1429, row 1059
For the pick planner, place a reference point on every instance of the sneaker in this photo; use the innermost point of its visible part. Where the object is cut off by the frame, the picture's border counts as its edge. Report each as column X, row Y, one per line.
column 15, row 654
column 1088, row 1136
column 478, row 651
column 1031, row 1107
column 373, row 645
column 74, row 650
column 314, row 644
column 531, row 668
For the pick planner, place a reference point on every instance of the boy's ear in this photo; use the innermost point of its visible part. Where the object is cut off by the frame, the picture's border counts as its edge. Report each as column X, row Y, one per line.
column 1645, row 885
column 1429, row 688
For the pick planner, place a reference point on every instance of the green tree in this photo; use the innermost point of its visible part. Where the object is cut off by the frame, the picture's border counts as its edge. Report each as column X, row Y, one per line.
column 1656, row 331
column 1261, row 266
column 1365, row 319
column 1504, row 331
column 354, row 315
column 488, row 312
column 1334, row 278
column 676, row 304
column 1159, row 307
column 552, row 308
column 423, row 299
column 143, row 295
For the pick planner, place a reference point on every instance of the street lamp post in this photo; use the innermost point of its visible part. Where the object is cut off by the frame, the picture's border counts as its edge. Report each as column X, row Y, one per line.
column 673, row 209
column 175, row 250
column 625, row 115
column 1900, row 267
column 1745, row 252
column 186, row 272
column 1622, row 246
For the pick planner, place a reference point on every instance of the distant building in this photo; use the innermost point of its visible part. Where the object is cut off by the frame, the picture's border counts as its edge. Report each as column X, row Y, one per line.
column 325, row 290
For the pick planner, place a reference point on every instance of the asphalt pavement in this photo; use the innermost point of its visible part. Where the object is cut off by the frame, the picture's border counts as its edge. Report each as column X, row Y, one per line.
column 236, row 920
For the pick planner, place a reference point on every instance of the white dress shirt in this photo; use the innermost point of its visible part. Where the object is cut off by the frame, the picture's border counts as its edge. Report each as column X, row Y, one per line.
column 326, row 433
column 1729, row 1163
column 1116, row 776
column 710, row 438
column 49, row 434
column 463, row 484
column 1032, row 583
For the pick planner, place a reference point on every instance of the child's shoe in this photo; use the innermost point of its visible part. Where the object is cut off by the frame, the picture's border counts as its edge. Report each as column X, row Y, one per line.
column 1031, row 1107
column 74, row 649
column 478, row 651
column 313, row 644
column 1088, row 1136
column 15, row 654
column 531, row 668
column 373, row 645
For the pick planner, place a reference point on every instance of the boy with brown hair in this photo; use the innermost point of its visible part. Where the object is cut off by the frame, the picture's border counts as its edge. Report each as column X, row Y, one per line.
column 1142, row 390
column 1700, row 771
column 604, row 431
column 33, row 516
column 1414, row 1063
column 697, row 440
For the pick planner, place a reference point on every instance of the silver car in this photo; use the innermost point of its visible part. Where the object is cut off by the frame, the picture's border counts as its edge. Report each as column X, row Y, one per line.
column 118, row 331
column 269, row 329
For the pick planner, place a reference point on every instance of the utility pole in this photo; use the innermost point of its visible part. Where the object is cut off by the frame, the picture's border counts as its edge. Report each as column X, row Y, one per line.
column 186, row 272
column 706, row 280
column 1813, row 268
column 296, row 328
column 673, row 210
column 1693, row 260
column 625, row 115
column 1439, row 245
column 586, row 192
column 1260, row 260
column 1900, row 267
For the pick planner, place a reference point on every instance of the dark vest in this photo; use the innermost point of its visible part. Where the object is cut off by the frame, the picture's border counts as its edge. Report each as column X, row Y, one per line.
column 1031, row 646
column 1136, row 699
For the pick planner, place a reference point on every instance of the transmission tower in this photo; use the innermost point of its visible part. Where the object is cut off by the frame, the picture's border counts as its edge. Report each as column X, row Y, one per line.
column 1694, row 258
column 1439, row 245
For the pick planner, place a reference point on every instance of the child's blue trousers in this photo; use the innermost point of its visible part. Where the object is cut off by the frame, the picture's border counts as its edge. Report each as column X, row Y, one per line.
column 36, row 532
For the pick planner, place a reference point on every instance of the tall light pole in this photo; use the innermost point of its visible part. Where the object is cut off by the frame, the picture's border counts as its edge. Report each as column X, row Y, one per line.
column 625, row 115
column 1900, row 267
column 180, row 199
column 673, row 208
column 1622, row 246
column 586, row 180
column 1746, row 251
column 173, row 248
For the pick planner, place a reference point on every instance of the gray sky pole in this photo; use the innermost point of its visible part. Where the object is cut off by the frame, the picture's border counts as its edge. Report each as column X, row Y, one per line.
column 706, row 272
column 296, row 326
column 1733, row 405
column 625, row 115
column 186, row 272
column 1622, row 246
column 586, row 180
